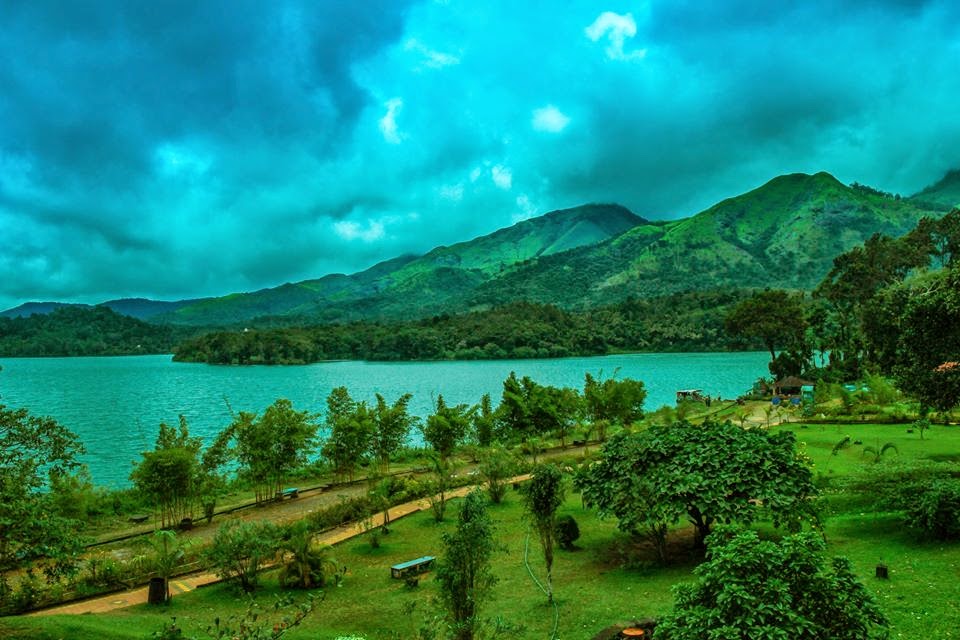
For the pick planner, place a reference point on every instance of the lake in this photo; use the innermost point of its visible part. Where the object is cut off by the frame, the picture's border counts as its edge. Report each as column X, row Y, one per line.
column 116, row 404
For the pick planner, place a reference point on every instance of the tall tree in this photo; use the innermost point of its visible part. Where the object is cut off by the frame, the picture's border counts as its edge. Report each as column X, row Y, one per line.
column 775, row 317
column 169, row 475
column 542, row 496
column 268, row 447
column 391, row 425
column 484, row 422
column 31, row 449
column 447, row 427
column 463, row 571
column 612, row 402
column 351, row 426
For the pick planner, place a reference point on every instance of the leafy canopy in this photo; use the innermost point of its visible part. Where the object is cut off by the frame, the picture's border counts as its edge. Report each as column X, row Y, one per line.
column 32, row 449
column 714, row 472
column 752, row 589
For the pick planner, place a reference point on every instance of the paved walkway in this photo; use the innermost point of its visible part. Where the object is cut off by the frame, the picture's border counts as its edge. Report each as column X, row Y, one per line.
column 187, row 583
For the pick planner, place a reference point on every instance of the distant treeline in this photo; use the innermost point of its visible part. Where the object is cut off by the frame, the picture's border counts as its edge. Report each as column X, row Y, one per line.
column 85, row 331
column 679, row 322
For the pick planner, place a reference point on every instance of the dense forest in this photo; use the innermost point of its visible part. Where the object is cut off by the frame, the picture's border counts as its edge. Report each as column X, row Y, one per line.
column 679, row 322
column 85, row 331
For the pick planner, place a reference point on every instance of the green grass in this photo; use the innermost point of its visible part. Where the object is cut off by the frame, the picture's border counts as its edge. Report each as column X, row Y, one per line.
column 605, row 581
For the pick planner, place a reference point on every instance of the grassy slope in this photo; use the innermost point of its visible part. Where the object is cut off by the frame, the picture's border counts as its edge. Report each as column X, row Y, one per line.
column 593, row 587
column 945, row 191
column 783, row 234
column 415, row 286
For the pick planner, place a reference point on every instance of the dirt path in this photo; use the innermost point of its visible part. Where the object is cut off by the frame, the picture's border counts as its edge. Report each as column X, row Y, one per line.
column 187, row 583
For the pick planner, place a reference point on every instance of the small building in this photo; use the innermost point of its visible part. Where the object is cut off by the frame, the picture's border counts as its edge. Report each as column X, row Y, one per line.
column 690, row 394
column 790, row 385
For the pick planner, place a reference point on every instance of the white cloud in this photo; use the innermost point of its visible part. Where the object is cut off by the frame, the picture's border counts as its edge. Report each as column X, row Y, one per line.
column 527, row 209
column 180, row 160
column 616, row 28
column 431, row 58
column 475, row 174
column 388, row 123
column 349, row 230
column 452, row 192
column 550, row 119
column 502, row 177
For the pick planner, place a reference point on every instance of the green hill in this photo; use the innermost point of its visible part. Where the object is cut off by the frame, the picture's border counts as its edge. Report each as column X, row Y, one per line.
column 417, row 286
column 782, row 234
column 945, row 192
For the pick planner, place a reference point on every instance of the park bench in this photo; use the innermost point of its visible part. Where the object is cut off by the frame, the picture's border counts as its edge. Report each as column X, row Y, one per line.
column 292, row 492
column 412, row 567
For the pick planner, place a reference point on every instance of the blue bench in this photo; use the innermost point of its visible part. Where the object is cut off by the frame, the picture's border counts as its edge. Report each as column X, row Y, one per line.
column 412, row 567
column 291, row 493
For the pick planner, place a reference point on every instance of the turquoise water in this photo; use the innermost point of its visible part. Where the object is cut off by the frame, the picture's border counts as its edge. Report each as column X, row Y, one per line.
column 116, row 404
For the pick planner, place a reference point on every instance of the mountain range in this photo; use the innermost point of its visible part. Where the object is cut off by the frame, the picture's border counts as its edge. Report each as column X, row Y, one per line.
column 783, row 234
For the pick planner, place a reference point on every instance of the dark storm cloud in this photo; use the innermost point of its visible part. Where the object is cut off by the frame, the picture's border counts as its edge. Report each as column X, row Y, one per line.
column 176, row 149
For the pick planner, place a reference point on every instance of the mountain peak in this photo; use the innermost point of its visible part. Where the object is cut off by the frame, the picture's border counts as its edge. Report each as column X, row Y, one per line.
column 944, row 192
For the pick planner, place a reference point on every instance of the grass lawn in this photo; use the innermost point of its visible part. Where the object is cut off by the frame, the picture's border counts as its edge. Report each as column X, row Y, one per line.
column 605, row 581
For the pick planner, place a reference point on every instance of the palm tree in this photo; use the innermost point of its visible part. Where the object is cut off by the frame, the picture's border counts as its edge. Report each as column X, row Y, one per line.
column 307, row 565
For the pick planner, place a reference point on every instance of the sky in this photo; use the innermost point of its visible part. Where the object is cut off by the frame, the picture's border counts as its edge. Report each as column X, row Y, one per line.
column 175, row 149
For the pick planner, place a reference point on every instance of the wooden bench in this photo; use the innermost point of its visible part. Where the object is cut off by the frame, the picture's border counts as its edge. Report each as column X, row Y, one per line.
column 412, row 567
column 292, row 492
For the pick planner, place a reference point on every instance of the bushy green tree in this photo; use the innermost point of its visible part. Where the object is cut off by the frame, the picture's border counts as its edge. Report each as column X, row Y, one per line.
column 612, row 402
column 714, row 472
column 531, row 410
column 240, row 549
column 753, row 589
column 168, row 476
column 447, row 427
column 31, row 449
column 935, row 509
column 463, row 571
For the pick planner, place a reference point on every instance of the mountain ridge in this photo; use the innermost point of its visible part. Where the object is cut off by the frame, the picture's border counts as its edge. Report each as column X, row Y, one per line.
column 784, row 233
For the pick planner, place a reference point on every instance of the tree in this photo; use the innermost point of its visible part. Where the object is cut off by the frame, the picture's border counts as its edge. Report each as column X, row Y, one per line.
column 936, row 511
column 612, row 402
column 391, row 425
column 306, row 565
column 928, row 344
column 528, row 409
column 168, row 476
column 463, row 572
column 447, row 427
column 497, row 467
column 351, row 427
column 764, row 590
column 773, row 316
column 714, row 472
column 484, row 421
column 31, row 450
column 542, row 496
column 241, row 548
column 168, row 554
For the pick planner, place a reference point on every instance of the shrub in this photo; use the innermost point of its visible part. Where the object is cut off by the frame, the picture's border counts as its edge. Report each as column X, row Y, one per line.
column 240, row 549
column 936, row 511
column 567, row 531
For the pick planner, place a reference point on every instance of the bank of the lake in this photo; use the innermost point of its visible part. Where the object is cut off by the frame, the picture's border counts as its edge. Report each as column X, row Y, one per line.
column 115, row 403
